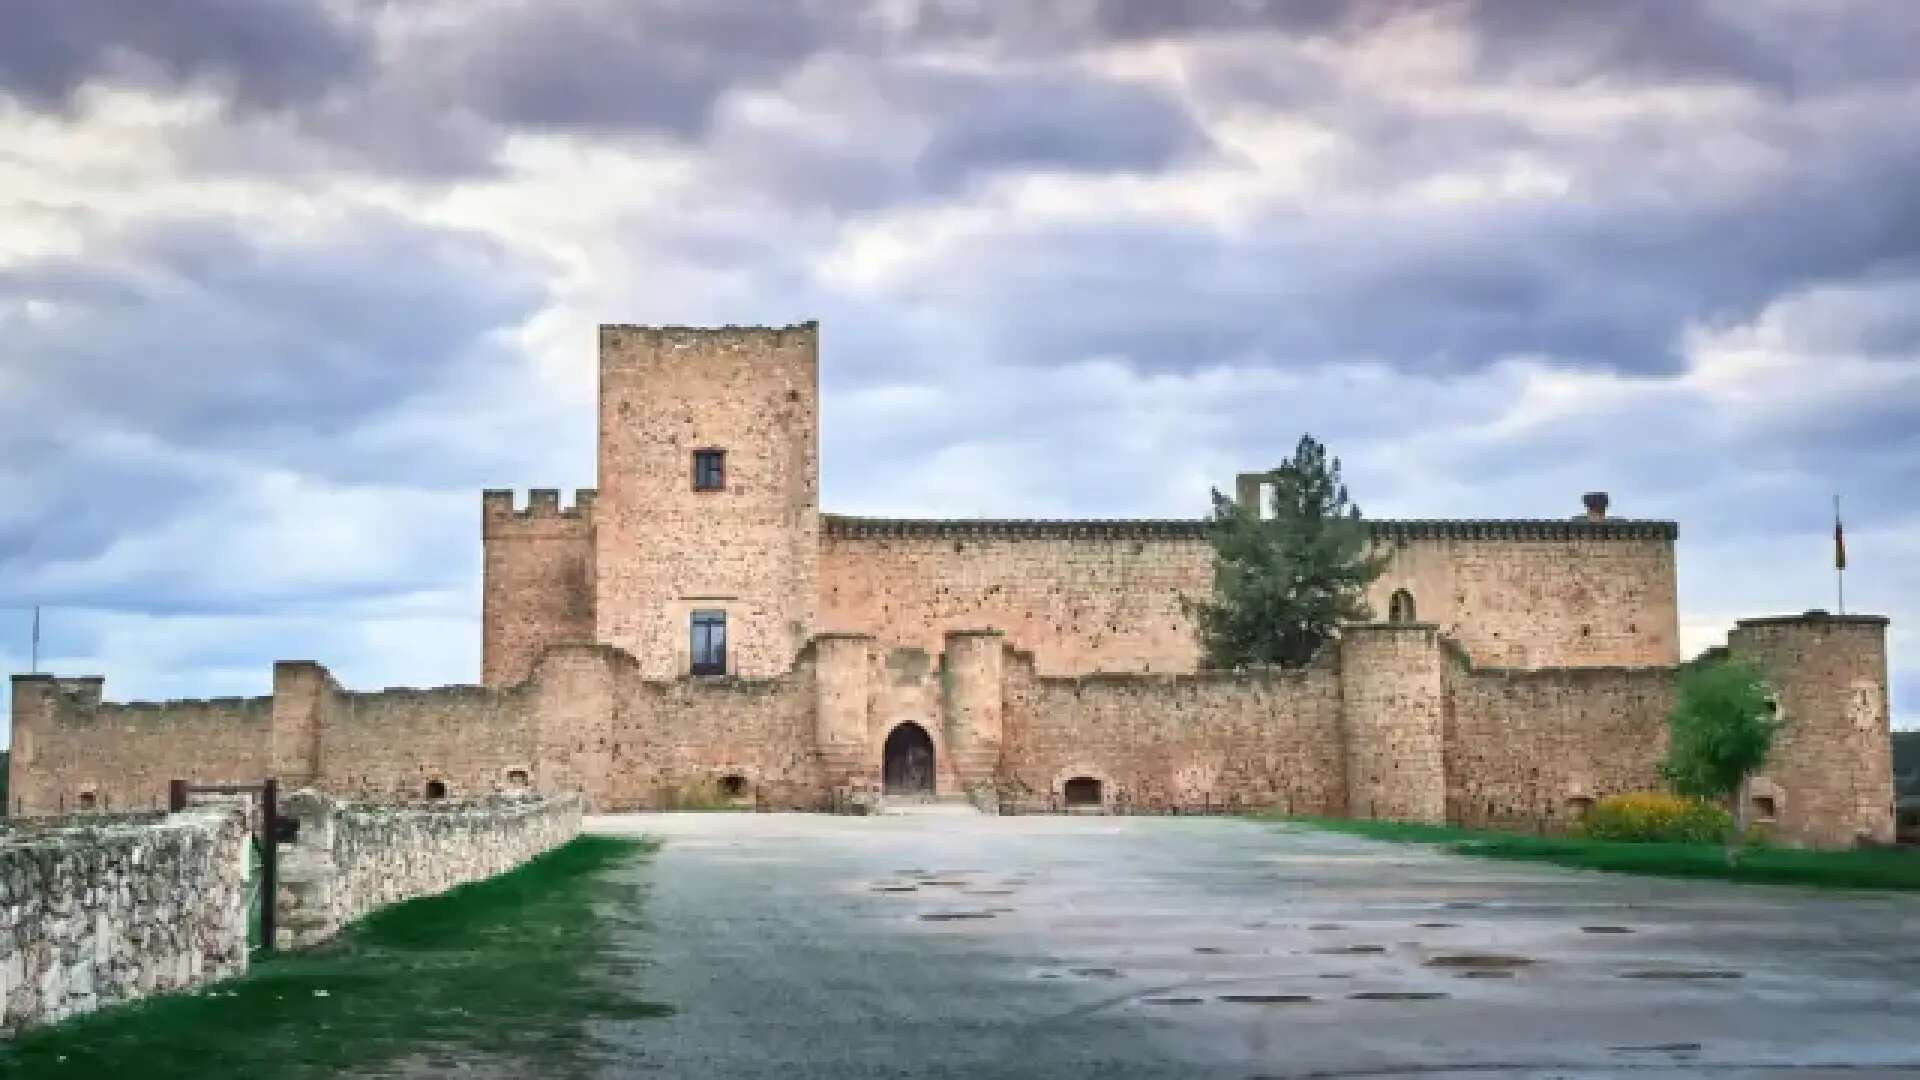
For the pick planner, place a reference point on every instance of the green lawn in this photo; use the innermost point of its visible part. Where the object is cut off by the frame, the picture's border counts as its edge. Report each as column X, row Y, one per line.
column 506, row 971
column 1869, row 869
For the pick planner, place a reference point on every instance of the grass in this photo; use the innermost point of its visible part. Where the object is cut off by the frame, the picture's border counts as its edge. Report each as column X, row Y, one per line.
column 508, row 969
column 1881, row 868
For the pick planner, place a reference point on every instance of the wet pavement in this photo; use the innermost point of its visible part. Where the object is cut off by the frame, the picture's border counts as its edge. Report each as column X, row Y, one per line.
column 951, row 944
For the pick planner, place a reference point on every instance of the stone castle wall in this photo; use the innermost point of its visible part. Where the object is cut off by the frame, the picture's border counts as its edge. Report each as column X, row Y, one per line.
column 1079, row 596
column 1540, row 594
column 107, row 909
column 1394, row 721
column 350, row 859
column 1111, row 595
column 670, row 740
column 73, row 752
column 1172, row 742
column 1531, row 749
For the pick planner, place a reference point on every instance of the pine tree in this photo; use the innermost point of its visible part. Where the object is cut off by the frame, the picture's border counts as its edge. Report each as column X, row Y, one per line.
column 1283, row 585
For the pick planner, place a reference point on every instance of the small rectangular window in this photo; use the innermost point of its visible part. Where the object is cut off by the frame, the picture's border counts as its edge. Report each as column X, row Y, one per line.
column 709, row 642
column 709, row 470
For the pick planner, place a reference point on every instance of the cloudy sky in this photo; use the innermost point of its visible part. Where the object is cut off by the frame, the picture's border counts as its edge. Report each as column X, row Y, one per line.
column 284, row 283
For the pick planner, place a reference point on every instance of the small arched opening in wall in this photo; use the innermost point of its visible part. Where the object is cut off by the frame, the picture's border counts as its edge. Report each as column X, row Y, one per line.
column 517, row 779
column 436, row 789
column 906, row 764
column 734, row 786
column 1400, row 607
column 88, row 800
column 1081, row 792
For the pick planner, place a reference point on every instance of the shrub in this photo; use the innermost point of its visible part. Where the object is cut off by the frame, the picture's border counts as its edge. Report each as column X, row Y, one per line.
column 1655, row 817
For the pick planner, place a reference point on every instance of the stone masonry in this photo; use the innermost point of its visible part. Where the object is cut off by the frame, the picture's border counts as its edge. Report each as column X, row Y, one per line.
column 697, row 627
column 105, row 909
column 348, row 860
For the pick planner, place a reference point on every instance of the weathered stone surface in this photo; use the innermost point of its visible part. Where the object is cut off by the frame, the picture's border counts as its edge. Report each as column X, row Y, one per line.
column 349, row 859
column 101, row 909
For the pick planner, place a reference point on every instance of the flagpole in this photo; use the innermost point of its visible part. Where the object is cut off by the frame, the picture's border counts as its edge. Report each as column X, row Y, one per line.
column 1839, row 560
column 36, row 640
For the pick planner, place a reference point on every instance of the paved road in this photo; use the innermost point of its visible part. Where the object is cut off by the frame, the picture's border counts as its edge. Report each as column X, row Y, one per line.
column 949, row 945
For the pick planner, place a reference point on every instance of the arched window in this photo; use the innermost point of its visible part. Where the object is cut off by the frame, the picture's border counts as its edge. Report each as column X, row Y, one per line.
column 1400, row 608
column 733, row 786
column 436, row 789
column 87, row 800
column 517, row 778
column 1081, row 791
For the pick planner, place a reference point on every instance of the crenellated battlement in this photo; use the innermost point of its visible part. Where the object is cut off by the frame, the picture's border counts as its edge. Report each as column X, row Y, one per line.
column 542, row 514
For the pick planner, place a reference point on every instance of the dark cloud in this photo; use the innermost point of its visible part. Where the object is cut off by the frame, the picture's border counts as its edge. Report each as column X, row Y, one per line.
column 610, row 65
column 264, row 53
column 1054, row 123
column 206, row 328
column 197, row 386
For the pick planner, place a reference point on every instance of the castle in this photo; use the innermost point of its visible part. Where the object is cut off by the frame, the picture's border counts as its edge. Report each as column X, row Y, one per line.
column 697, row 627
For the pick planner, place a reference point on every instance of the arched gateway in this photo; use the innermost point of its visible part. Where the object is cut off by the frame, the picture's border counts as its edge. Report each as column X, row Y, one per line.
column 907, row 764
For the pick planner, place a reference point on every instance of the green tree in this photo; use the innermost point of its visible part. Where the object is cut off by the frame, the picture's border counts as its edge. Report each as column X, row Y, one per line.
column 1282, row 585
column 1719, row 732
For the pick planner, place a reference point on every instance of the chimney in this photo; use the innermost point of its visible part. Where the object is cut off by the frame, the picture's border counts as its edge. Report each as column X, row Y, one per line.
column 1596, row 505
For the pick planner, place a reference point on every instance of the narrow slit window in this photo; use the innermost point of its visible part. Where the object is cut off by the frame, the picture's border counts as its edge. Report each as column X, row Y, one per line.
column 709, row 470
column 709, row 643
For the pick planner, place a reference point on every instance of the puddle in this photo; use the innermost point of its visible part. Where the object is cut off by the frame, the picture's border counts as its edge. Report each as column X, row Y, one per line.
column 1396, row 995
column 1606, row 929
column 896, row 888
column 1351, row 950
column 1486, row 973
column 1682, row 973
column 1464, row 905
column 1336, row 974
column 1658, row 1048
column 1437, row 925
column 1267, row 999
column 941, row 881
column 1325, row 926
column 1097, row 972
column 948, row 916
column 1209, row 950
column 1171, row 1001
column 1479, row 961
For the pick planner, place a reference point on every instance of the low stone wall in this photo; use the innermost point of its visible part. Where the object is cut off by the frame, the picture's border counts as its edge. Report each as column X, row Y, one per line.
column 101, row 910
column 350, row 859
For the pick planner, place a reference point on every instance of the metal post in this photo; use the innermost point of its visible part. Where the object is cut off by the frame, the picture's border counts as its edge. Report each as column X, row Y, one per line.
column 269, row 860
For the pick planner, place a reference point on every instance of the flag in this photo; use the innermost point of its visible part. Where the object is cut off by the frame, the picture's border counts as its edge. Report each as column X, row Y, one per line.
column 1839, row 544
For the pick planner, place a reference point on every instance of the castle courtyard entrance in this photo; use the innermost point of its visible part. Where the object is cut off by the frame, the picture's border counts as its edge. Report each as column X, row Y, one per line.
column 907, row 762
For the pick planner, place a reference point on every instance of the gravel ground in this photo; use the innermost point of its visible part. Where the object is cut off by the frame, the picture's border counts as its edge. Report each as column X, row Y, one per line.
column 944, row 943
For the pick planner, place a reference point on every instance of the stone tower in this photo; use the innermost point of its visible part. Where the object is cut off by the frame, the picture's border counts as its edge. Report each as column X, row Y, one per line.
column 709, row 500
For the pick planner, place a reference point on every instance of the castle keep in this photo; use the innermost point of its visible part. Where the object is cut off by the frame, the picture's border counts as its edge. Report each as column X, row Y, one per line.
column 698, row 624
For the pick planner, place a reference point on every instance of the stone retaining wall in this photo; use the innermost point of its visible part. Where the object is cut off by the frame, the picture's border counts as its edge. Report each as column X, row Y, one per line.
column 350, row 859
column 100, row 910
